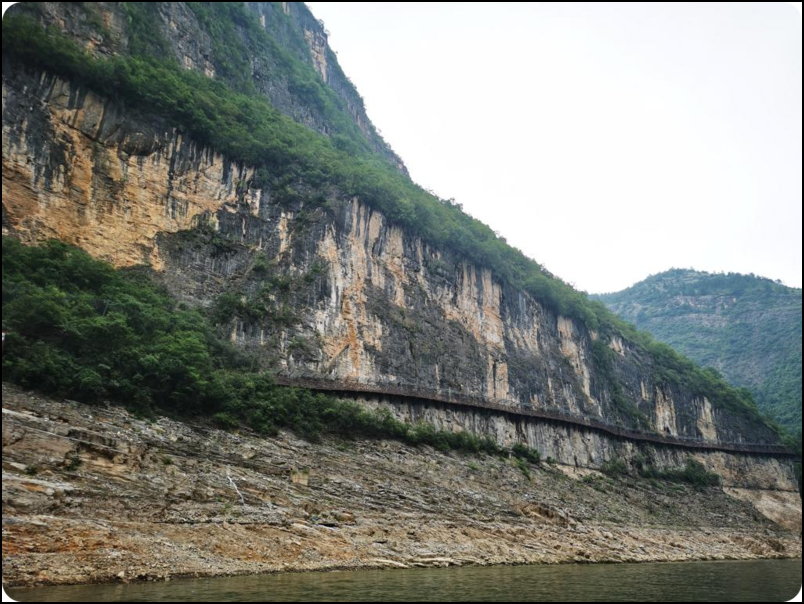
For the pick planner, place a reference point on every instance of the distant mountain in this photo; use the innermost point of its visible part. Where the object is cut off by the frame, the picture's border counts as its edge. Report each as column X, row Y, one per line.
column 747, row 327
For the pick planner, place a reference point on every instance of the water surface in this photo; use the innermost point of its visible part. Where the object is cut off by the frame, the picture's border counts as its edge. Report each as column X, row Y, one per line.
column 720, row 581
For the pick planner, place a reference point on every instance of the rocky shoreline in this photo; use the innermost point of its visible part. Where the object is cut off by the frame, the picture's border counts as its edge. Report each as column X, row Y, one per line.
column 94, row 494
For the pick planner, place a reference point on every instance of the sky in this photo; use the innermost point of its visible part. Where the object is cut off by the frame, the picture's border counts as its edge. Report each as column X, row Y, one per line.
column 608, row 141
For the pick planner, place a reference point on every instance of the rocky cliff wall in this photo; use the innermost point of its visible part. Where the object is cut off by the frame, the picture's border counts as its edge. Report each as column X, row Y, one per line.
column 105, row 28
column 322, row 287
column 81, row 169
column 331, row 290
column 580, row 448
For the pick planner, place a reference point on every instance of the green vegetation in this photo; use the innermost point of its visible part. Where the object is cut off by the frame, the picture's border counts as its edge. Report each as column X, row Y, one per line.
column 747, row 327
column 78, row 328
column 614, row 467
column 231, row 54
column 523, row 467
column 525, row 453
column 83, row 330
column 295, row 163
column 625, row 409
column 693, row 472
column 73, row 462
column 145, row 36
column 237, row 37
column 261, row 263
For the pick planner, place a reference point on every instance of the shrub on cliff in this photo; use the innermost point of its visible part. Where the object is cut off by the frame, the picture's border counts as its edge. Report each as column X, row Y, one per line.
column 83, row 330
column 80, row 329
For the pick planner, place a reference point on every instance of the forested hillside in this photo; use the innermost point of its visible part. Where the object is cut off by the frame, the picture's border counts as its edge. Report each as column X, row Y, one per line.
column 746, row 327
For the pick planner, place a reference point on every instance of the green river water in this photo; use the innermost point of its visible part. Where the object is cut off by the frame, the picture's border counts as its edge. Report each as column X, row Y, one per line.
column 720, row 581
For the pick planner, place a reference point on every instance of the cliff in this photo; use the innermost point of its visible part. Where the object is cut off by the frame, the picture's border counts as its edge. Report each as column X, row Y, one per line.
column 293, row 66
column 746, row 327
column 364, row 300
column 279, row 221
column 329, row 283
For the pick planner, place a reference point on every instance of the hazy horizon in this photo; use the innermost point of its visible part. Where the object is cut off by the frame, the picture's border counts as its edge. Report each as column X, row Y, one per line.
column 608, row 141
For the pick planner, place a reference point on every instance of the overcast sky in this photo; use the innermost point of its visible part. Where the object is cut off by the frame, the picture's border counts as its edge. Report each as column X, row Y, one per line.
column 608, row 141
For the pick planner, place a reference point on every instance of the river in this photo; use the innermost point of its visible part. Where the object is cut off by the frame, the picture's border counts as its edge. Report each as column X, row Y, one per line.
column 719, row 581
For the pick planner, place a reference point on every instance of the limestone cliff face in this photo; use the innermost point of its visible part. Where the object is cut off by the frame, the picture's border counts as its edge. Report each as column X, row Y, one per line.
column 104, row 29
column 77, row 168
column 334, row 291
column 579, row 448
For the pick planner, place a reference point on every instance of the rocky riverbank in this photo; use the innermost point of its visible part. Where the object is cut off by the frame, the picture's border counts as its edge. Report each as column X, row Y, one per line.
column 94, row 494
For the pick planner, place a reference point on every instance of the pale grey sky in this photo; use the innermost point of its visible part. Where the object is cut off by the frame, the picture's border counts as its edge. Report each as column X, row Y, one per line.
column 608, row 141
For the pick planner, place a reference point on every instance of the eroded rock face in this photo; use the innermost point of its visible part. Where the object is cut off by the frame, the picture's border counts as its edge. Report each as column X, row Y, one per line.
column 351, row 298
column 381, row 307
column 102, row 28
column 375, row 305
column 588, row 449
column 360, row 300
column 76, row 167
